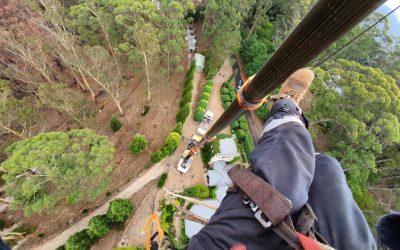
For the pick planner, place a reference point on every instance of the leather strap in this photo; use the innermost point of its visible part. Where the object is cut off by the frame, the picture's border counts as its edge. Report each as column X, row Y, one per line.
column 275, row 206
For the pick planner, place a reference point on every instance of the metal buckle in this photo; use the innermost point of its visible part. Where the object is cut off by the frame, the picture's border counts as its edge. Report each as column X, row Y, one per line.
column 246, row 201
column 253, row 206
column 264, row 223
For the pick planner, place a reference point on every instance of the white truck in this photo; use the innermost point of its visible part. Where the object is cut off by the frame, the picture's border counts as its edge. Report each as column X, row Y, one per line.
column 185, row 161
column 205, row 123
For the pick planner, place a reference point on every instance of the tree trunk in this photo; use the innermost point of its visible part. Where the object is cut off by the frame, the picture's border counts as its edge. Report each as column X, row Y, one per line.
column 253, row 26
column 119, row 107
column 147, row 75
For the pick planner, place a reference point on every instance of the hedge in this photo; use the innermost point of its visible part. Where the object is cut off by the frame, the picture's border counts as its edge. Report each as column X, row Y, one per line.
column 171, row 143
column 178, row 128
column 206, row 152
column 138, row 144
column 205, row 96
column 119, row 210
column 202, row 105
column 248, row 145
column 98, row 227
column 157, row 156
column 162, row 180
column 199, row 191
column 199, row 114
column 185, row 99
column 183, row 113
column 80, row 240
column 115, row 124
column 207, row 89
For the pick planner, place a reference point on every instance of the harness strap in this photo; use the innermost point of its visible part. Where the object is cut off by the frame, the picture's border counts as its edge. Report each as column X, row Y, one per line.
column 267, row 201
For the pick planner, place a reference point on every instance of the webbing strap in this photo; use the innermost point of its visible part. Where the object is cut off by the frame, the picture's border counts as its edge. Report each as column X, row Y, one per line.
column 275, row 206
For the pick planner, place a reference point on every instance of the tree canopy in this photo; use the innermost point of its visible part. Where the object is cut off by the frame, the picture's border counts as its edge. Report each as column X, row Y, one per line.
column 49, row 167
column 358, row 108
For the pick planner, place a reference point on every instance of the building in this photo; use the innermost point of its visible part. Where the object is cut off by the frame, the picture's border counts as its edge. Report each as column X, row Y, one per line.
column 226, row 151
column 218, row 176
column 200, row 59
column 192, row 228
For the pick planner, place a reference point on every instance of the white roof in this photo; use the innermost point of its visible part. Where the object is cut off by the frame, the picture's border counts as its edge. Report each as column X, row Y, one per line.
column 219, row 175
column 199, row 59
column 228, row 147
column 192, row 228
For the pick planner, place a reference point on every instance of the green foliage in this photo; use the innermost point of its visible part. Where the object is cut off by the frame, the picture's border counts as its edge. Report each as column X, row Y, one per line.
column 257, row 49
column 224, row 91
column 206, row 153
column 199, row 114
column 25, row 229
column 157, row 156
column 234, row 125
column 119, row 210
column 115, row 124
column 202, row 104
column 358, row 108
column 240, row 134
column 172, row 142
column 248, row 145
column 167, row 216
column 61, row 247
column 211, row 71
column 72, row 166
column 186, row 98
column 178, row 128
column 263, row 112
column 244, row 125
column 98, row 227
column 207, row 89
column 79, row 241
column 226, row 98
column 205, row 96
column 138, row 144
column 2, row 224
column 199, row 191
column 184, row 238
column 183, row 113
column 222, row 23
column 162, row 180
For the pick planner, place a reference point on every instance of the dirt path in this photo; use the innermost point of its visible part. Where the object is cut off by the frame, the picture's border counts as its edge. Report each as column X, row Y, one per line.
column 215, row 104
column 132, row 235
column 127, row 192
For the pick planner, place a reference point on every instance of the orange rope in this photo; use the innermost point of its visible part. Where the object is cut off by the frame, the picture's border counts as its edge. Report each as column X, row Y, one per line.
column 243, row 103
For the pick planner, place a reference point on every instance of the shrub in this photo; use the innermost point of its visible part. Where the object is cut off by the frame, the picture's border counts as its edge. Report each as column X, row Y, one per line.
column 138, row 144
column 115, row 124
column 224, row 91
column 205, row 96
column 157, row 156
column 178, row 128
column 210, row 83
column 24, row 229
column 210, row 72
column 79, row 241
column 234, row 125
column 202, row 104
column 61, row 247
column 240, row 134
column 206, row 152
column 187, row 90
column 225, row 105
column 207, row 89
column 199, row 114
column 232, row 95
column 172, row 142
column 183, row 113
column 263, row 112
column 199, row 191
column 119, row 210
column 162, row 180
column 187, row 98
column 244, row 125
column 180, row 69
column 98, row 227
column 230, row 87
column 248, row 145
column 226, row 98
